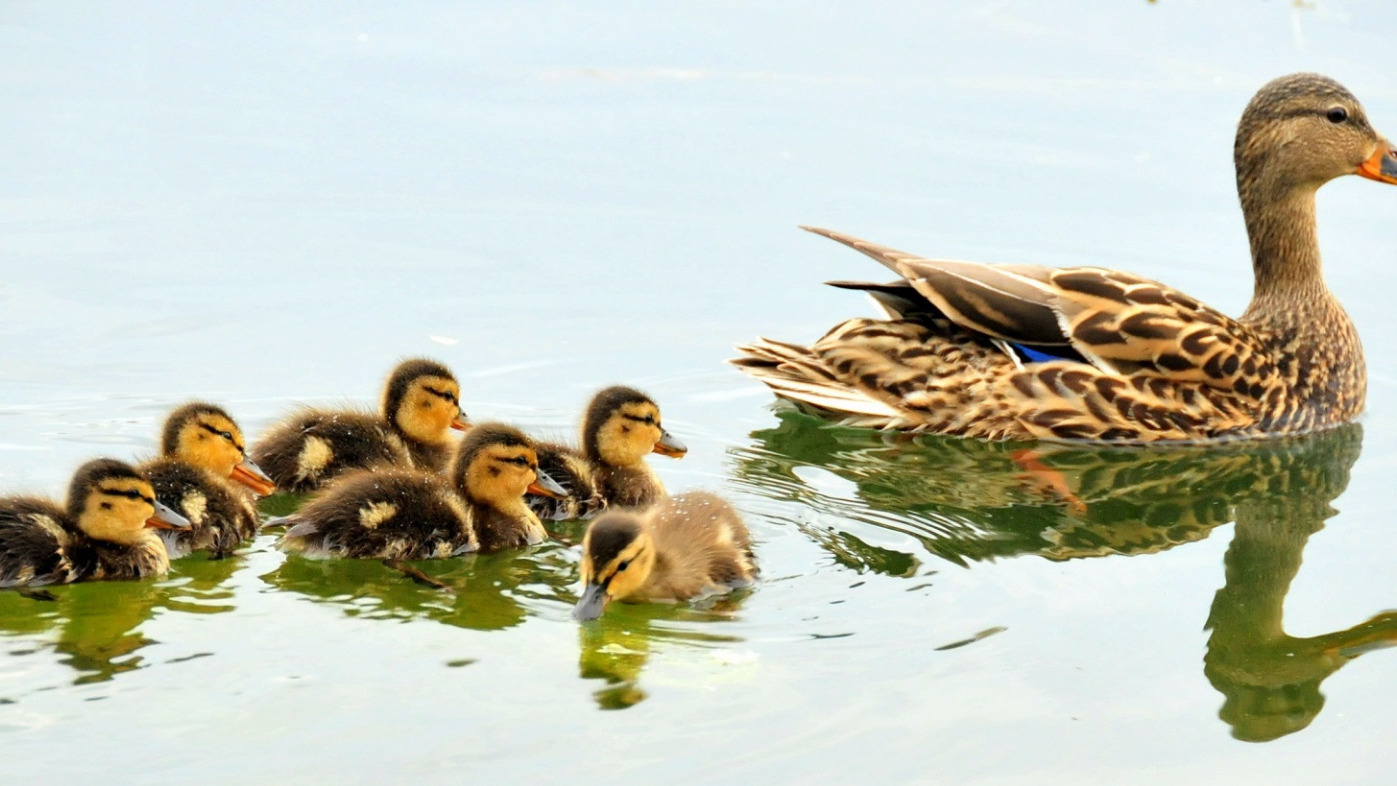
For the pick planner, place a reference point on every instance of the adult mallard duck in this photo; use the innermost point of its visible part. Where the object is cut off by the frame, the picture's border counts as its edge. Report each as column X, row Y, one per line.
column 619, row 429
column 103, row 532
column 685, row 546
column 1027, row 352
column 204, row 473
column 421, row 404
column 393, row 513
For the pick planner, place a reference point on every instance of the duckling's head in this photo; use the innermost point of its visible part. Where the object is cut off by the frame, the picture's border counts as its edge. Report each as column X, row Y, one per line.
column 617, row 557
column 113, row 502
column 497, row 464
column 622, row 425
column 206, row 436
column 1301, row 131
column 422, row 399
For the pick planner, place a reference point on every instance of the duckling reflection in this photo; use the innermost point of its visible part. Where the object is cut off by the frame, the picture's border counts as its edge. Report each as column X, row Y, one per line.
column 483, row 592
column 96, row 628
column 1270, row 679
column 617, row 648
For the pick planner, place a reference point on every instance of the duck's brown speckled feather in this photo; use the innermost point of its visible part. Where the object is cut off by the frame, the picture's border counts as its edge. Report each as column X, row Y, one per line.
column 1140, row 361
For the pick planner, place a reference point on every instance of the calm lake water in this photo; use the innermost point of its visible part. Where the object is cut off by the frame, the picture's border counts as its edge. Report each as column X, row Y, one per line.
column 261, row 204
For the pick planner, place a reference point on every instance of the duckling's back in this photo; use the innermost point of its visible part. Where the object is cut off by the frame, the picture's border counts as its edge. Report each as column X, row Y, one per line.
column 383, row 514
column 307, row 451
column 578, row 477
column 221, row 515
column 34, row 544
column 701, row 545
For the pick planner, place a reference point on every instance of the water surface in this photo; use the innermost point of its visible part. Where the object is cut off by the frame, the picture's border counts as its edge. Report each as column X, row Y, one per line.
column 262, row 204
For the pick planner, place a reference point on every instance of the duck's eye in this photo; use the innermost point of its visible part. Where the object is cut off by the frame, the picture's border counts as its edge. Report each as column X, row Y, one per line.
column 228, row 435
column 623, row 566
column 1337, row 115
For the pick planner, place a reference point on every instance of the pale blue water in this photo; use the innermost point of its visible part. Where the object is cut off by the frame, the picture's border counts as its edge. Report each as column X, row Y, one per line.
column 264, row 204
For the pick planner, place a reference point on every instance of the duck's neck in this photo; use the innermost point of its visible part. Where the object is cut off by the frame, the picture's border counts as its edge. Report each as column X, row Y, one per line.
column 1285, row 259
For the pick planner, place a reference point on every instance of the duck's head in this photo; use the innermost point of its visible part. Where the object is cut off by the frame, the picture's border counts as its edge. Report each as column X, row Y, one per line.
column 497, row 464
column 423, row 400
column 113, row 502
column 204, row 435
column 622, row 425
column 617, row 557
column 1303, row 130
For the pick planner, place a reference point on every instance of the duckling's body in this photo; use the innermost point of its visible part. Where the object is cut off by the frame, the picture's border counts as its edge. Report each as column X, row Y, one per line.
column 103, row 532
column 34, row 544
column 388, row 513
column 204, row 474
column 683, row 547
column 420, row 406
column 619, row 429
column 392, row 513
column 578, row 478
column 1028, row 352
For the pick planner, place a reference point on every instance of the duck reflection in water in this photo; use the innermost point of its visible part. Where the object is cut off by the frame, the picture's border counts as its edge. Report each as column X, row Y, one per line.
column 967, row 501
column 1271, row 679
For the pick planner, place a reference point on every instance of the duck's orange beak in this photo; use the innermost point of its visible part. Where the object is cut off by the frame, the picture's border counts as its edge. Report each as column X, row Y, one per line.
column 461, row 423
column 249, row 474
column 1382, row 165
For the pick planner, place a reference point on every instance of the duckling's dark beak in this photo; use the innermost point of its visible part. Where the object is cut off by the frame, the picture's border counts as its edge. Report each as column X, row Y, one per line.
column 593, row 603
column 165, row 518
column 461, row 422
column 249, row 474
column 1382, row 165
column 545, row 486
column 669, row 446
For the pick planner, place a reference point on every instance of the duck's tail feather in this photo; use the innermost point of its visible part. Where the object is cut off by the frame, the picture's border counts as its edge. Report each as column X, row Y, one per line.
column 793, row 372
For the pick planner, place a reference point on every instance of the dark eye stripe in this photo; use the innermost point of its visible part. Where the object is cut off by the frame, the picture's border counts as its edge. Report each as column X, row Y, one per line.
column 228, row 435
column 128, row 493
column 440, row 393
column 650, row 419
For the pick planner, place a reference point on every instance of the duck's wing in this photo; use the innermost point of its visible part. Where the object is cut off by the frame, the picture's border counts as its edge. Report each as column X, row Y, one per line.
column 1117, row 321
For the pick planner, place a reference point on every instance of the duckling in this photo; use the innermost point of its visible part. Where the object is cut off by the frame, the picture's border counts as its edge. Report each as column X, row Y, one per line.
column 620, row 427
column 393, row 513
column 685, row 546
column 420, row 406
column 495, row 466
column 577, row 476
column 201, row 450
column 102, row 533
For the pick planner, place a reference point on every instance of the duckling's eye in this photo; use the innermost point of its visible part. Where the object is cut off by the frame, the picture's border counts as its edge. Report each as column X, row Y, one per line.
column 623, row 566
column 228, row 435
column 1337, row 115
